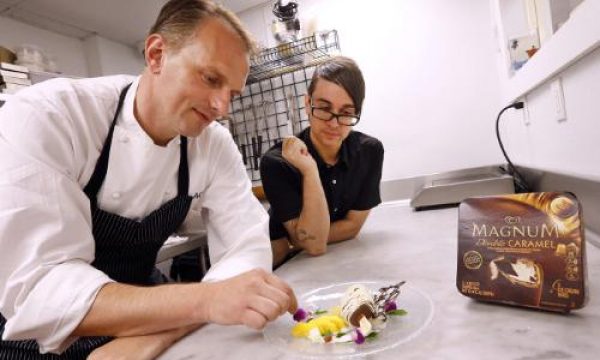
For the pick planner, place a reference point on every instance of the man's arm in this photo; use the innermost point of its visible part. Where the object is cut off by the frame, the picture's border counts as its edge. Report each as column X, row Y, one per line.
column 127, row 310
column 229, row 300
column 252, row 299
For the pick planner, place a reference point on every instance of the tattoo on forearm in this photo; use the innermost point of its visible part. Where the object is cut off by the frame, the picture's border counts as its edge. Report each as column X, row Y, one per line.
column 304, row 236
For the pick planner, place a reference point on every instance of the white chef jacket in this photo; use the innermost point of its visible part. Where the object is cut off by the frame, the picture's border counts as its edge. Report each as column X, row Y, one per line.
column 51, row 136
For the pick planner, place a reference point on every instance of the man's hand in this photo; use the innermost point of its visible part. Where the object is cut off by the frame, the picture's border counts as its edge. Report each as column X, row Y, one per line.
column 294, row 151
column 252, row 299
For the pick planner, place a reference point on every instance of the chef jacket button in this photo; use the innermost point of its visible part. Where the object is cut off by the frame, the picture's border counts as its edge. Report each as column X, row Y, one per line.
column 334, row 181
column 335, row 210
column 167, row 193
column 116, row 195
column 124, row 139
column 178, row 142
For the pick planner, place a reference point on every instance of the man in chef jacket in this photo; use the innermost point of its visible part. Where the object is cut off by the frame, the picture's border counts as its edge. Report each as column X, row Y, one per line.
column 95, row 174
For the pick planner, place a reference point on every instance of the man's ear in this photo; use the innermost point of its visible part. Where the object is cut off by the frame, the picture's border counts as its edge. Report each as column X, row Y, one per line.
column 154, row 52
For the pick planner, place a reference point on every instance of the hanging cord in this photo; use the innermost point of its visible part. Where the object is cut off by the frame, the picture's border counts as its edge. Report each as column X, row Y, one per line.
column 520, row 182
column 285, row 12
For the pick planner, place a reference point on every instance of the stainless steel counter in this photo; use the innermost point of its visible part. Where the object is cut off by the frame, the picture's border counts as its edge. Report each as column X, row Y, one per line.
column 420, row 247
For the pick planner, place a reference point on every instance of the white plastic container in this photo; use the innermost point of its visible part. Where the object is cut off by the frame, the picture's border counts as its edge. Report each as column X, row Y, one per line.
column 31, row 56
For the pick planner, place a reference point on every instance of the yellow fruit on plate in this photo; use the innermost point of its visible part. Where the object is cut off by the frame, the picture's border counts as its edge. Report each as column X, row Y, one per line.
column 327, row 325
column 337, row 321
column 301, row 329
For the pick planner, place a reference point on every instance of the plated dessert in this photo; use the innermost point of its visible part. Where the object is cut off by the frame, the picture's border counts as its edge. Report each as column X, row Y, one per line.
column 360, row 315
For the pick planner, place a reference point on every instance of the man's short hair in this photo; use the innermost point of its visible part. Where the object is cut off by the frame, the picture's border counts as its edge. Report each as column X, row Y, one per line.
column 344, row 72
column 179, row 19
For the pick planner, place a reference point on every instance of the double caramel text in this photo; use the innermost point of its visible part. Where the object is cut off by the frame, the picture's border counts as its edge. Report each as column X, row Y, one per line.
column 528, row 244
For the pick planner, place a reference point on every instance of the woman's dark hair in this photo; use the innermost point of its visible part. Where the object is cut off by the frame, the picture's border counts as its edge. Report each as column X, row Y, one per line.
column 344, row 72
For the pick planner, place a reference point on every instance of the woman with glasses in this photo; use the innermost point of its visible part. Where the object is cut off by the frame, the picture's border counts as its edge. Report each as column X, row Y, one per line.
column 322, row 183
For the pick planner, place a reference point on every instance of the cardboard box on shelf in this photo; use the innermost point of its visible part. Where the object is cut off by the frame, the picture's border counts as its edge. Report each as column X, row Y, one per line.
column 14, row 80
column 6, row 55
column 13, row 67
column 14, row 74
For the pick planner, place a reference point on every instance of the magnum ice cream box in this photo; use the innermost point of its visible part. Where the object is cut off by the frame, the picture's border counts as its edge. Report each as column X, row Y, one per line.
column 523, row 249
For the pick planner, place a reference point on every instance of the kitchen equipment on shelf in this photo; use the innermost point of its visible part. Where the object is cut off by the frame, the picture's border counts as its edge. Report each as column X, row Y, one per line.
column 286, row 26
column 269, row 107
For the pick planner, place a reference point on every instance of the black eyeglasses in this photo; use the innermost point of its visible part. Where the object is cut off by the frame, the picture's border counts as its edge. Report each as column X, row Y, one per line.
column 326, row 115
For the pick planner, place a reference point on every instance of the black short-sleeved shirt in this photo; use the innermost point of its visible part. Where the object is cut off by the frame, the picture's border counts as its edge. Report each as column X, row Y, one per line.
column 351, row 184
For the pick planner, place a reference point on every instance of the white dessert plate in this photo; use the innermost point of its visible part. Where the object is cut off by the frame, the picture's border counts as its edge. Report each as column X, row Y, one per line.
column 399, row 329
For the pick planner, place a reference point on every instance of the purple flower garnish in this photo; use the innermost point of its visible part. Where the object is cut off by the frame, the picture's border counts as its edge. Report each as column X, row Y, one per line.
column 300, row 315
column 358, row 337
column 390, row 306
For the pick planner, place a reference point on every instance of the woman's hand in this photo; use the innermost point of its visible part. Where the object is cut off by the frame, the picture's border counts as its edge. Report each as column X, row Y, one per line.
column 294, row 151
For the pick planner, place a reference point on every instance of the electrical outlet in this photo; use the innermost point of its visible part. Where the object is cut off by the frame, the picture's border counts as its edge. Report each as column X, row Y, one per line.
column 558, row 101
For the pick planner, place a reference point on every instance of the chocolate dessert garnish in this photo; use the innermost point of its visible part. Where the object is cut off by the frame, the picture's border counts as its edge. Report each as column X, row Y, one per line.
column 384, row 296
